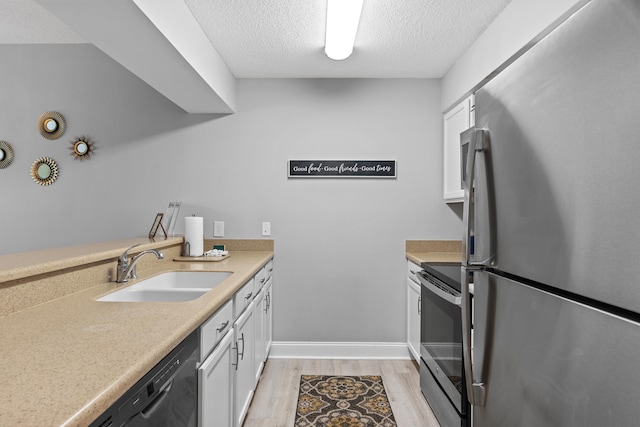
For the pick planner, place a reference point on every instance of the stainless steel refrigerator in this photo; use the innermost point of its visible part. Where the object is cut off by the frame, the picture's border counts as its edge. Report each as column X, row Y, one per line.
column 552, row 229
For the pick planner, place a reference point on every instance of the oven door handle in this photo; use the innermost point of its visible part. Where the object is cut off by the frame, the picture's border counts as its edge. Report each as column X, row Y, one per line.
column 452, row 299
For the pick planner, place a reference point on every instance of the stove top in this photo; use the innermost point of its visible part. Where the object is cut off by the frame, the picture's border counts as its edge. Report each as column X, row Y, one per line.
column 449, row 273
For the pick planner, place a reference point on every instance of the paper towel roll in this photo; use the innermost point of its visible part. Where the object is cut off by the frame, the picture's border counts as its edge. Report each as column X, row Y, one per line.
column 194, row 235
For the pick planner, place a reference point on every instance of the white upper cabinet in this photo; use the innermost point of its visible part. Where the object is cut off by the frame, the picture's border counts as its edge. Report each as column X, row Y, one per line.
column 456, row 121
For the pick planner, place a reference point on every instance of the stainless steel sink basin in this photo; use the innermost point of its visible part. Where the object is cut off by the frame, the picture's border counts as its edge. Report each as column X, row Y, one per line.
column 172, row 286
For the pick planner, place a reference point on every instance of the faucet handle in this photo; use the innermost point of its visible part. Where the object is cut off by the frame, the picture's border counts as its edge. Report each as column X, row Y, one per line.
column 123, row 257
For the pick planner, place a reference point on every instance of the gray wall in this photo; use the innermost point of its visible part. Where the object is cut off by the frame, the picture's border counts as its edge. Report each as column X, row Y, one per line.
column 340, row 267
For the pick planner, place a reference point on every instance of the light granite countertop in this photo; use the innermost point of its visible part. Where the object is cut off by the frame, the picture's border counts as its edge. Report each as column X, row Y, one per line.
column 66, row 360
column 419, row 251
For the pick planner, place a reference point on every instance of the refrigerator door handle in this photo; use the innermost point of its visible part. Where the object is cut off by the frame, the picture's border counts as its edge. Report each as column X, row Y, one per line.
column 468, row 145
column 476, row 391
column 477, row 216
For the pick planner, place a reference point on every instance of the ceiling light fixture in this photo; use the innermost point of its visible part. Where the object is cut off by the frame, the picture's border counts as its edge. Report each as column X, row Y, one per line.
column 343, row 17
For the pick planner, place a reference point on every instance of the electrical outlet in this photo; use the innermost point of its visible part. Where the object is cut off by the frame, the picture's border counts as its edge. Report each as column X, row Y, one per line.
column 266, row 229
column 218, row 228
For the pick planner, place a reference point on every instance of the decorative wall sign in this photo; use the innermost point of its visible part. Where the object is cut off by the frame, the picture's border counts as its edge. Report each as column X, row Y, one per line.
column 342, row 168
column 51, row 125
column 6, row 154
column 44, row 171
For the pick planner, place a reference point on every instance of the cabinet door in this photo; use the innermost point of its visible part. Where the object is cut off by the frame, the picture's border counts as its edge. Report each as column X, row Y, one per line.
column 259, row 349
column 268, row 321
column 244, row 373
column 413, row 319
column 456, row 121
column 215, row 386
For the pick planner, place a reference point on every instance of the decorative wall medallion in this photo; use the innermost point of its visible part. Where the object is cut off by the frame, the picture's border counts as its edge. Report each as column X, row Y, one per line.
column 82, row 148
column 44, row 171
column 51, row 125
column 6, row 154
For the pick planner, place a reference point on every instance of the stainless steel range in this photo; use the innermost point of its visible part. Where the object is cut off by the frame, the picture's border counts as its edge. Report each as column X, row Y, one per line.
column 442, row 377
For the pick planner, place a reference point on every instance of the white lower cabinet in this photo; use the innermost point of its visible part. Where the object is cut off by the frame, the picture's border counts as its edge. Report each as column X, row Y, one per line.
column 234, row 345
column 215, row 386
column 259, row 320
column 413, row 310
column 413, row 319
column 244, row 372
column 267, row 313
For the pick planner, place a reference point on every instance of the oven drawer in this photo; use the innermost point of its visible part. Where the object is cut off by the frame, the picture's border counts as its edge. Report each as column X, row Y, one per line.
column 444, row 411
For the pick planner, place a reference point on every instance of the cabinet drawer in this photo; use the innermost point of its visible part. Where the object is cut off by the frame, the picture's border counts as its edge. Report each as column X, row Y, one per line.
column 243, row 298
column 261, row 279
column 412, row 269
column 212, row 331
column 268, row 270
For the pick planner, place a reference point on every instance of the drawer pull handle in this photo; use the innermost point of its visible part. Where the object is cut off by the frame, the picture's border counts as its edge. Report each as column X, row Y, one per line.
column 248, row 296
column 262, row 280
column 223, row 326
column 241, row 353
column 235, row 347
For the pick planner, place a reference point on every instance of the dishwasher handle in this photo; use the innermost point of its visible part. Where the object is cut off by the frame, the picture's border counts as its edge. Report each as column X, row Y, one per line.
column 153, row 406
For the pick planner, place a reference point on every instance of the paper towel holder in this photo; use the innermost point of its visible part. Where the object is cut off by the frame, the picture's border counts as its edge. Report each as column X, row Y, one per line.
column 157, row 223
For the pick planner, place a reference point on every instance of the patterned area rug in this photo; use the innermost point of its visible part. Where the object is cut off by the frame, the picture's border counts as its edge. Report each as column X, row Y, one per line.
column 343, row 401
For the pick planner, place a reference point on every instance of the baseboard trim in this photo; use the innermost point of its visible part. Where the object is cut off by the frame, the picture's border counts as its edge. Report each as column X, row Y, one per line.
column 339, row 350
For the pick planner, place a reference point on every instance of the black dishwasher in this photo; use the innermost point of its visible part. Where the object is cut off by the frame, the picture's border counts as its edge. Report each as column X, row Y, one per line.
column 167, row 396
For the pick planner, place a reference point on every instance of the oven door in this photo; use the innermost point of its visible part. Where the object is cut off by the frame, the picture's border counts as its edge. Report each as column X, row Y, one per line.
column 441, row 338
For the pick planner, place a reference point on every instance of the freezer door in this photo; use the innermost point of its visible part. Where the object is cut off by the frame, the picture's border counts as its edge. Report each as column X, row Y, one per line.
column 563, row 134
column 548, row 361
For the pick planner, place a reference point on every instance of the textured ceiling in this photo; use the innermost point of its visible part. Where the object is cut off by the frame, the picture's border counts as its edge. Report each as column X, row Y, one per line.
column 285, row 38
column 26, row 22
column 396, row 38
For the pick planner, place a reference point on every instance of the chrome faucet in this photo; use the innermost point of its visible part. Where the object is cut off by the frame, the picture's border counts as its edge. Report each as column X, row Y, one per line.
column 127, row 270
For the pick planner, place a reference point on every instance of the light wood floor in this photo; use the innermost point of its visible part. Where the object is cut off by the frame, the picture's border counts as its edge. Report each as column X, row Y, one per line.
column 274, row 403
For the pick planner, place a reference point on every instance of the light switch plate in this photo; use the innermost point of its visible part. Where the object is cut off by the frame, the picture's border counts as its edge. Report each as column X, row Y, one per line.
column 218, row 228
column 266, row 229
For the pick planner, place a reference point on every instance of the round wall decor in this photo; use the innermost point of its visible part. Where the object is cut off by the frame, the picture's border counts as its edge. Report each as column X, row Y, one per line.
column 6, row 154
column 44, row 171
column 51, row 125
column 82, row 148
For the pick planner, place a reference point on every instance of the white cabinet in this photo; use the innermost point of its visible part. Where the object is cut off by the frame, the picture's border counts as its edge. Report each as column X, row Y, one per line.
column 456, row 121
column 413, row 311
column 263, row 319
column 259, row 342
column 243, row 298
column 215, row 386
column 413, row 319
column 215, row 376
column 212, row 331
column 234, row 345
column 268, row 318
column 244, row 372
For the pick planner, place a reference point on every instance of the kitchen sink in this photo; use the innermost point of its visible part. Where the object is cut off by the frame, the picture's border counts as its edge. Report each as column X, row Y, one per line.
column 172, row 286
